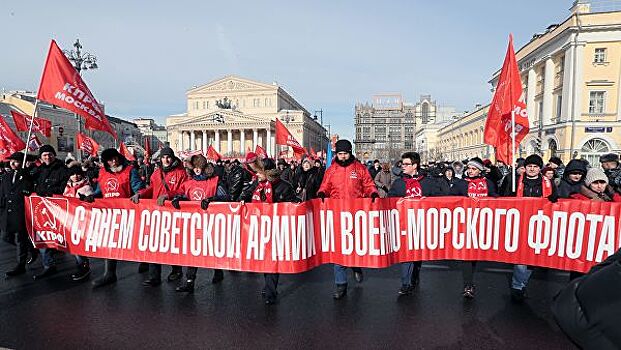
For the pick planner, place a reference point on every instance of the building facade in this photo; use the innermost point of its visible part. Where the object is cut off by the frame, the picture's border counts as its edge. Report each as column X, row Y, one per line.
column 236, row 114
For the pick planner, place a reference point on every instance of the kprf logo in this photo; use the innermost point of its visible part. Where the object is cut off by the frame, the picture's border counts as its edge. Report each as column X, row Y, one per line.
column 48, row 218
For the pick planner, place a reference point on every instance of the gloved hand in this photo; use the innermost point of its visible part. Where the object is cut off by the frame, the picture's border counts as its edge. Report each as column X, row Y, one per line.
column 385, row 189
column 87, row 199
column 553, row 198
column 374, row 195
column 161, row 199
column 175, row 202
column 322, row 196
column 135, row 198
column 205, row 204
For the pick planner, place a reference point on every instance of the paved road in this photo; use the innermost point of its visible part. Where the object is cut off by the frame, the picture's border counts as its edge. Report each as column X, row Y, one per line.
column 57, row 313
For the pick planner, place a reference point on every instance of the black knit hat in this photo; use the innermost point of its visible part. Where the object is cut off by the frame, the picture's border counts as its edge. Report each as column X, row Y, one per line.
column 534, row 159
column 167, row 151
column 556, row 160
column 609, row 157
column 110, row 153
column 343, row 146
column 19, row 156
column 46, row 148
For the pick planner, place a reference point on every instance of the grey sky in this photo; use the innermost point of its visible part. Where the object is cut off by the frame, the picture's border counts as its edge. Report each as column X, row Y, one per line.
column 327, row 54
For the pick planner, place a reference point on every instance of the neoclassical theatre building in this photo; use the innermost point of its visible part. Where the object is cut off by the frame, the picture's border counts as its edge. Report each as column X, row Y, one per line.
column 235, row 115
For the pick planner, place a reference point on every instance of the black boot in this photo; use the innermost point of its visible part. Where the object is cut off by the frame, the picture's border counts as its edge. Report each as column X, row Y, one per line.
column 152, row 282
column 358, row 276
column 341, row 291
column 175, row 275
column 47, row 271
column 109, row 275
column 188, row 287
column 16, row 271
column 84, row 270
column 218, row 276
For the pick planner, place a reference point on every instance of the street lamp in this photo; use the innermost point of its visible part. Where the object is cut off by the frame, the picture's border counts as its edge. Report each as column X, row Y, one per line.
column 320, row 116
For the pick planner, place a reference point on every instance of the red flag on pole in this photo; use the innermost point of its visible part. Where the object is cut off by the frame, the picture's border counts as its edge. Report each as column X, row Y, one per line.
column 260, row 152
column 506, row 101
column 11, row 141
column 284, row 137
column 22, row 123
column 34, row 143
column 125, row 152
column 61, row 85
column 213, row 154
column 147, row 149
column 87, row 144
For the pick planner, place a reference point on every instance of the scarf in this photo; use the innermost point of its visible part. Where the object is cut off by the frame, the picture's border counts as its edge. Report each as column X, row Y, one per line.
column 477, row 186
column 546, row 187
column 263, row 193
column 413, row 189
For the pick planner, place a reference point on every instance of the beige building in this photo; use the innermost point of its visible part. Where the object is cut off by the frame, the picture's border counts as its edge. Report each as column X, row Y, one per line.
column 235, row 114
column 463, row 138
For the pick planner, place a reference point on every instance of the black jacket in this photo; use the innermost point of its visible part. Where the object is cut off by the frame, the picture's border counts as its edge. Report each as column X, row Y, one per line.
column 452, row 187
column 532, row 187
column 308, row 183
column 50, row 179
column 236, row 180
column 12, row 211
column 566, row 187
column 588, row 309
column 427, row 184
column 283, row 191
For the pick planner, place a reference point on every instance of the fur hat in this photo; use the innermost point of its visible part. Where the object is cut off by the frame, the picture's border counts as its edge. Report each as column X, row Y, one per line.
column 75, row 168
column 343, row 146
column 595, row 174
column 110, row 153
column 46, row 148
column 19, row 156
column 167, row 151
column 556, row 160
column 198, row 161
column 534, row 159
column 609, row 157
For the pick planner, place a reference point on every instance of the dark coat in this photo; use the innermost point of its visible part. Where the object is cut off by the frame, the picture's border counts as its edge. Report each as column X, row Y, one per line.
column 567, row 187
column 452, row 187
column 50, row 179
column 588, row 309
column 308, row 184
column 283, row 191
column 427, row 184
column 12, row 211
column 236, row 180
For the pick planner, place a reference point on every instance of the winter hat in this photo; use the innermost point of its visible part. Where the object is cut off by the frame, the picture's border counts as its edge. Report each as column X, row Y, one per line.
column 609, row 157
column 556, row 160
column 198, row 161
column 595, row 174
column 75, row 168
column 476, row 162
column 546, row 169
column 534, row 159
column 167, row 151
column 251, row 157
column 343, row 146
column 17, row 156
column 46, row 148
column 110, row 153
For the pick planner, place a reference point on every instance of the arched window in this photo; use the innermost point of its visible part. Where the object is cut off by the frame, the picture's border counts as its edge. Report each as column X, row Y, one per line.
column 593, row 149
column 553, row 147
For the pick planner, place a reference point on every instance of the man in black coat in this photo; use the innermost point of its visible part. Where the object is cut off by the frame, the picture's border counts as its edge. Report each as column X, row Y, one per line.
column 13, row 187
column 49, row 178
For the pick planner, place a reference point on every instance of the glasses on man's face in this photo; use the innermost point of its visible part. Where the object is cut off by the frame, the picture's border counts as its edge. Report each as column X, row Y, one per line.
column 406, row 164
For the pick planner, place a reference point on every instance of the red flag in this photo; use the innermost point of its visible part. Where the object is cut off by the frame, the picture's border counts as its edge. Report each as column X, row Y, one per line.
column 125, row 152
column 87, row 144
column 284, row 137
column 34, row 143
column 313, row 153
column 507, row 100
column 213, row 154
column 61, row 85
column 260, row 152
column 10, row 140
column 147, row 149
column 22, row 123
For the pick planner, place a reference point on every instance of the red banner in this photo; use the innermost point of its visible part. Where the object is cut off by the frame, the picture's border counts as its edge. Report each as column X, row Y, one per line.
column 126, row 153
column 284, row 137
column 291, row 238
column 22, row 123
column 87, row 144
column 61, row 85
column 11, row 142
column 34, row 143
column 213, row 154
column 260, row 151
column 498, row 128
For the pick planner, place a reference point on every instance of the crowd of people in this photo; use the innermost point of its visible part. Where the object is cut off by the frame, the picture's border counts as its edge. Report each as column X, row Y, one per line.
column 254, row 179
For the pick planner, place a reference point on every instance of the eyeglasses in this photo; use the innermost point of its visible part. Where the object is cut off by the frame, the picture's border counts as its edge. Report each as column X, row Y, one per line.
column 406, row 164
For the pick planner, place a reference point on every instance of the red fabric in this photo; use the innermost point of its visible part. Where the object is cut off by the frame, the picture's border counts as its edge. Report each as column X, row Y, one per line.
column 174, row 178
column 313, row 154
column 87, row 144
column 266, row 187
column 61, row 85
column 213, row 154
column 477, row 187
column 615, row 198
column 546, row 187
column 115, row 185
column 292, row 238
column 413, row 189
column 352, row 181
column 11, row 142
column 22, row 123
column 506, row 99
column 195, row 190
column 125, row 152
column 260, row 152
column 72, row 189
column 284, row 137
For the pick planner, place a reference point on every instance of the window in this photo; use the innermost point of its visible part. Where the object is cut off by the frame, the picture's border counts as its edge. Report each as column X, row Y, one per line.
column 559, row 107
column 596, row 102
column 600, row 55
column 593, row 149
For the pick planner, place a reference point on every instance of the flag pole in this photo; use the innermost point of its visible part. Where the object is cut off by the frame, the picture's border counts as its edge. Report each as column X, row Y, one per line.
column 513, row 159
column 34, row 115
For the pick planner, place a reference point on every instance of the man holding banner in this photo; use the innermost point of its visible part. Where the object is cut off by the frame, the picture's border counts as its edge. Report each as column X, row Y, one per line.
column 346, row 179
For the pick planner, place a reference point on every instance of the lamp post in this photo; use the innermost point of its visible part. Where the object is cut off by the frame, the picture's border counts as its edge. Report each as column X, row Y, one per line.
column 81, row 61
